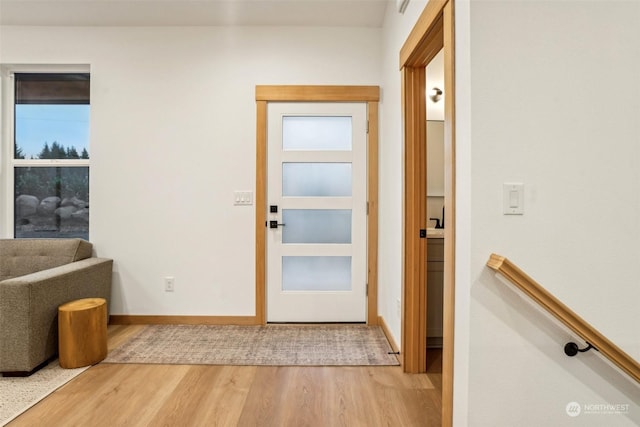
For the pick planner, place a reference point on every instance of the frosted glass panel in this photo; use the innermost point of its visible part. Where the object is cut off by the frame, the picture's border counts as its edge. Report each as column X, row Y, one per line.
column 316, row 179
column 316, row 133
column 316, row 226
column 316, row 273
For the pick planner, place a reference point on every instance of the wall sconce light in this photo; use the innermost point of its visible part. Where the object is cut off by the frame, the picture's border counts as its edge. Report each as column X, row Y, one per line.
column 435, row 94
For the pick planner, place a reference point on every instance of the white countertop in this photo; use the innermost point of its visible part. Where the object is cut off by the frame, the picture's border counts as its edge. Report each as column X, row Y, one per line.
column 435, row 233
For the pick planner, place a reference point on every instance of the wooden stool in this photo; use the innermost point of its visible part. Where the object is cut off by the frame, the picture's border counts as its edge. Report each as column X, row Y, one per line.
column 82, row 332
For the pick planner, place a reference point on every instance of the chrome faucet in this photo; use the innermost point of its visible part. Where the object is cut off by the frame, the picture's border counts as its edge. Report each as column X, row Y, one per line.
column 437, row 220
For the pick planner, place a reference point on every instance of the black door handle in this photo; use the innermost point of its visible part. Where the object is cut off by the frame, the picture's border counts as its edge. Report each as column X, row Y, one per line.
column 274, row 224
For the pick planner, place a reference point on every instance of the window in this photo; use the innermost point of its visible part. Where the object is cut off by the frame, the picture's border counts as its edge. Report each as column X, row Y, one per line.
column 51, row 155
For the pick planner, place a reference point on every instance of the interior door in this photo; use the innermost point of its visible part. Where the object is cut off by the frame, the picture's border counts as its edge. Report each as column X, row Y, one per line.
column 316, row 232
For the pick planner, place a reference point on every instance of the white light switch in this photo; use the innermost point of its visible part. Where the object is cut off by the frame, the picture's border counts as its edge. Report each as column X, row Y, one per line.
column 513, row 198
column 242, row 198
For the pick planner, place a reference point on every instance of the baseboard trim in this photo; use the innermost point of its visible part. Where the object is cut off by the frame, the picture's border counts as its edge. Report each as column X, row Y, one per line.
column 122, row 319
column 392, row 342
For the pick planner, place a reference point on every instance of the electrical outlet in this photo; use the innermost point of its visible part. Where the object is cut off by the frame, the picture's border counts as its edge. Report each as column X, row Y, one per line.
column 169, row 283
column 398, row 307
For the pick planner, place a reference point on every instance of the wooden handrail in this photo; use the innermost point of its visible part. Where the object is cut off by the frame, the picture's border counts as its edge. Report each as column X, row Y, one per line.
column 563, row 313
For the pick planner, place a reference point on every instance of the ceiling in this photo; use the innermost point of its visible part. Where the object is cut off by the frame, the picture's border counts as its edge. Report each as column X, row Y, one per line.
column 335, row 13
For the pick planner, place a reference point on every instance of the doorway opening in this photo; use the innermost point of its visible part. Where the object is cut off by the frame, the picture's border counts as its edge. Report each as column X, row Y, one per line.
column 435, row 100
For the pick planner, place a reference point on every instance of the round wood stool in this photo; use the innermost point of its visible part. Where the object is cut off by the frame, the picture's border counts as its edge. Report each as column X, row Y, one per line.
column 82, row 332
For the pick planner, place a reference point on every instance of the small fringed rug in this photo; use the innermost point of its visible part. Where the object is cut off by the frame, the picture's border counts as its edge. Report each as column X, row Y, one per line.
column 269, row 345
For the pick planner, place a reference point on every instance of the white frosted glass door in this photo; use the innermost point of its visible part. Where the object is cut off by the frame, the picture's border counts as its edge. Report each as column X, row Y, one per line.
column 316, row 233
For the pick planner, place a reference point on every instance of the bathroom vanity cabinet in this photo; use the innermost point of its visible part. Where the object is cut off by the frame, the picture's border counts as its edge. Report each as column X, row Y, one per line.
column 435, row 283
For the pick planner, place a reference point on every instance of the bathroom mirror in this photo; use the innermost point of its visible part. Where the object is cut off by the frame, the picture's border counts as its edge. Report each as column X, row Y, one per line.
column 435, row 158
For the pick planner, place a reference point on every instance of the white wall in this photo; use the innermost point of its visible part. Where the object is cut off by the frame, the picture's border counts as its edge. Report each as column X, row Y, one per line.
column 173, row 135
column 395, row 31
column 555, row 104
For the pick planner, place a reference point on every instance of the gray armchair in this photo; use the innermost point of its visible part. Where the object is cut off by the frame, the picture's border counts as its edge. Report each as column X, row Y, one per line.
column 36, row 276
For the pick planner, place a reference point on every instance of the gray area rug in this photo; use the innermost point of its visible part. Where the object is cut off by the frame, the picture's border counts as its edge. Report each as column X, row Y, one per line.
column 21, row 393
column 270, row 345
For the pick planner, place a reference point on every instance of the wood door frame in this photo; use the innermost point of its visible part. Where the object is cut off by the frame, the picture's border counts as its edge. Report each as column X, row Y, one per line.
column 278, row 93
column 433, row 31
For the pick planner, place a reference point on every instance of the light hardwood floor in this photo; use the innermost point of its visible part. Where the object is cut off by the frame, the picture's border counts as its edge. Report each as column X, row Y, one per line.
column 197, row 395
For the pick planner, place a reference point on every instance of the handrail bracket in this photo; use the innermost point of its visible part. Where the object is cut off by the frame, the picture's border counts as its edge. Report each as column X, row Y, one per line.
column 571, row 349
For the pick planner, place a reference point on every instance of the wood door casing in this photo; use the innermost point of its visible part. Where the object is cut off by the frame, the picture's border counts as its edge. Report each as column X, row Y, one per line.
column 433, row 31
column 285, row 93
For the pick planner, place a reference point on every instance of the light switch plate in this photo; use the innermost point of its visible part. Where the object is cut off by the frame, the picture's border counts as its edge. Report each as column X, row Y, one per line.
column 242, row 198
column 513, row 198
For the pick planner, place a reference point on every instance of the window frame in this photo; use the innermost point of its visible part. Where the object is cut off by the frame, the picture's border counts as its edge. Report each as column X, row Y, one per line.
column 8, row 163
